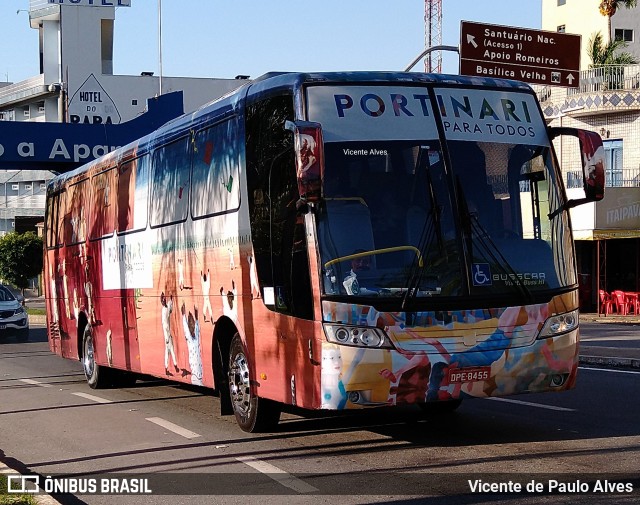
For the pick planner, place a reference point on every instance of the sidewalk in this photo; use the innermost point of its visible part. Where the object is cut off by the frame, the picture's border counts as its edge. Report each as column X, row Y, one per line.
column 624, row 357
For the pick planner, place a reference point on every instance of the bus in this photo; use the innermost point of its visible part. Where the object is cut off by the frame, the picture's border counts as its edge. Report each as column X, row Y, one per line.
column 329, row 241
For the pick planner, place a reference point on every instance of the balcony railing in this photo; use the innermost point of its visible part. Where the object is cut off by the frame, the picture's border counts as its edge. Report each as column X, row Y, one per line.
column 608, row 77
column 624, row 178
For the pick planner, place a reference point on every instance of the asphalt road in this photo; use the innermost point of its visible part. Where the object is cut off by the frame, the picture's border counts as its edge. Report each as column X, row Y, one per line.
column 52, row 423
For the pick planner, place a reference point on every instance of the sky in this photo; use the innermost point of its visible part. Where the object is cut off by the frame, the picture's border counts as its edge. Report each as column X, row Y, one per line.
column 225, row 38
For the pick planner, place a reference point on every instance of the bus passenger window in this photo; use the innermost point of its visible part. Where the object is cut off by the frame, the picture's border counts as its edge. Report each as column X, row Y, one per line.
column 133, row 194
column 215, row 170
column 54, row 232
column 170, row 191
column 103, row 204
column 75, row 223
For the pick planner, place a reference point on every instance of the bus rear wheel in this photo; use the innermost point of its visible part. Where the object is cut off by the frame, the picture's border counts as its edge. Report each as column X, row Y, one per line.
column 253, row 414
column 97, row 376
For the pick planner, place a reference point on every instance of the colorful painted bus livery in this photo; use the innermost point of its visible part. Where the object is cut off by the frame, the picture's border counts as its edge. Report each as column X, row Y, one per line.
column 330, row 241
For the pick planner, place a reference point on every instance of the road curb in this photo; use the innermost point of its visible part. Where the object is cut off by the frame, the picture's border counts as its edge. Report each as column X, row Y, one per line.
column 37, row 319
column 613, row 362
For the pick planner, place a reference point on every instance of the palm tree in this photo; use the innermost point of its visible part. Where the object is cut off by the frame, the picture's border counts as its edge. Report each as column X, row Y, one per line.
column 604, row 56
column 609, row 7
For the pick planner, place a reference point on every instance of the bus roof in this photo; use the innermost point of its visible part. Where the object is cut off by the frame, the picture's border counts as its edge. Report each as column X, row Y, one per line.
column 226, row 104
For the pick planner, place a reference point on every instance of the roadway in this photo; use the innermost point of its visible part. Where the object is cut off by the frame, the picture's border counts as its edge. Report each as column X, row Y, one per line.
column 52, row 423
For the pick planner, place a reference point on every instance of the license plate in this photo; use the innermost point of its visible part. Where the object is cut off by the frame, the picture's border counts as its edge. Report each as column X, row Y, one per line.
column 459, row 375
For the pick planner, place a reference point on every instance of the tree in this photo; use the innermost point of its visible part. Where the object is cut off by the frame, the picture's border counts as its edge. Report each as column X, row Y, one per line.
column 609, row 7
column 603, row 57
column 20, row 258
column 602, row 54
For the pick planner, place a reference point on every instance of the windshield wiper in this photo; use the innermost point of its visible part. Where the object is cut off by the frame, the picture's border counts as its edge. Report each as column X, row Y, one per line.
column 431, row 229
column 490, row 248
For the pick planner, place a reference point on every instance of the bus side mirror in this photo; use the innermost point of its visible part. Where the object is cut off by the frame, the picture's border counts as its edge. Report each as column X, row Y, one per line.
column 309, row 154
column 592, row 155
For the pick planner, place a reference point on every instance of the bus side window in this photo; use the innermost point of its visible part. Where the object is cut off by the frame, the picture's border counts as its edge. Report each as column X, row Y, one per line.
column 103, row 204
column 75, row 220
column 133, row 194
column 215, row 184
column 170, row 189
column 55, row 205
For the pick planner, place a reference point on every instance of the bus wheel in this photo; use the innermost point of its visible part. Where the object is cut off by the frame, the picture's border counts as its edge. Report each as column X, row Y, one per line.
column 442, row 407
column 253, row 414
column 96, row 375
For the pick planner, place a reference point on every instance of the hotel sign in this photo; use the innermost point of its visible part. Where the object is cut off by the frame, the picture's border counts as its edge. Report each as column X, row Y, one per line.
column 93, row 3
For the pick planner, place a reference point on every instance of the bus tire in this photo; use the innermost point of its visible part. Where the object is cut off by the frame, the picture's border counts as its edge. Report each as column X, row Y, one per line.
column 253, row 414
column 441, row 407
column 97, row 376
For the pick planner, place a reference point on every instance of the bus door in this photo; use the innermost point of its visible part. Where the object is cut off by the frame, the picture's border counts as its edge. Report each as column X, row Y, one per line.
column 71, row 268
column 104, row 302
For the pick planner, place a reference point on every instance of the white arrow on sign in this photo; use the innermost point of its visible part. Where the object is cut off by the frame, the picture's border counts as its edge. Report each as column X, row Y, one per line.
column 570, row 78
column 471, row 40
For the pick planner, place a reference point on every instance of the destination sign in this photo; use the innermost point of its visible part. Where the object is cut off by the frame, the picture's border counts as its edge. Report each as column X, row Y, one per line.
column 533, row 56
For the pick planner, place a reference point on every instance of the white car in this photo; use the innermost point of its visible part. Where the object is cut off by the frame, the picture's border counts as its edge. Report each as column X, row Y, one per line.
column 13, row 316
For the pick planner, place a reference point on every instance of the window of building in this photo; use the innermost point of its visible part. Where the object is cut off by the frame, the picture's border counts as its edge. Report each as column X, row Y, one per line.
column 613, row 163
column 28, row 187
column 623, row 34
column 562, row 29
column 15, row 187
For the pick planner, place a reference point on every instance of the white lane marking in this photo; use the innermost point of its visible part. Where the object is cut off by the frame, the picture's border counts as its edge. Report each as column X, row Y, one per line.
column 530, row 404
column 34, row 382
column 277, row 474
column 178, row 430
column 93, row 398
column 633, row 372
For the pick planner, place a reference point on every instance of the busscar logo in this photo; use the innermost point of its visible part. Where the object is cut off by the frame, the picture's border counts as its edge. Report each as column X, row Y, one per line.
column 23, row 484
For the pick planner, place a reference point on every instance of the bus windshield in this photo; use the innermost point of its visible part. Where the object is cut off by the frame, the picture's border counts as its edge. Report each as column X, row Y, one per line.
column 414, row 218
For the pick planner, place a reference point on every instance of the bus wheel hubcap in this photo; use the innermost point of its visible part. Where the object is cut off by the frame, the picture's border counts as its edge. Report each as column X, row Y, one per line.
column 239, row 384
column 89, row 361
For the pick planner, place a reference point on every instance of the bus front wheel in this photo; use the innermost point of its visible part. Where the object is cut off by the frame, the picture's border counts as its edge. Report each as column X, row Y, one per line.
column 253, row 414
column 96, row 375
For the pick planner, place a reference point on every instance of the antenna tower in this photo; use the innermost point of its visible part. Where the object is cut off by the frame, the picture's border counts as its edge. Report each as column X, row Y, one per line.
column 433, row 34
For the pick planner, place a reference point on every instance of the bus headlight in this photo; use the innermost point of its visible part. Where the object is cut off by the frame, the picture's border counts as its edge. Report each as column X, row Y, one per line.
column 557, row 325
column 358, row 336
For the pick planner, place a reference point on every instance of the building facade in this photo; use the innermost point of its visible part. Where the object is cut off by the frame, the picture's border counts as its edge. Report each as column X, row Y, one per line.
column 76, row 85
column 607, row 100
column 22, row 198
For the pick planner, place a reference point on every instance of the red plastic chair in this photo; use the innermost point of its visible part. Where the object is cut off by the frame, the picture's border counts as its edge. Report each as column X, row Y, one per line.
column 620, row 302
column 633, row 303
column 606, row 305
